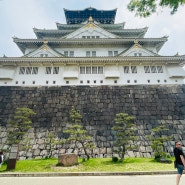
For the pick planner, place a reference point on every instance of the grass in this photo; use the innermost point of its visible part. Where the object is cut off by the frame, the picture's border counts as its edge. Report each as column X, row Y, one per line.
column 92, row 165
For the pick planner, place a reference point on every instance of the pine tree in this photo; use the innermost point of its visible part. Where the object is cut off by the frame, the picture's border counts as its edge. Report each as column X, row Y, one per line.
column 77, row 134
column 125, row 134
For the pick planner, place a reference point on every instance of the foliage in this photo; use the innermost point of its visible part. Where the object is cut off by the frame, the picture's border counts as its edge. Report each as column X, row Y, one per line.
column 125, row 133
column 145, row 8
column 77, row 134
column 52, row 141
column 158, row 138
column 19, row 125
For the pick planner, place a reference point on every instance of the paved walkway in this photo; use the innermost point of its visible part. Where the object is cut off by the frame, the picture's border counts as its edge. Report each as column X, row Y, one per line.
column 93, row 180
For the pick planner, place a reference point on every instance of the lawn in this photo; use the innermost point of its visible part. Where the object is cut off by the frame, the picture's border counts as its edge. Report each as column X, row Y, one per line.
column 92, row 165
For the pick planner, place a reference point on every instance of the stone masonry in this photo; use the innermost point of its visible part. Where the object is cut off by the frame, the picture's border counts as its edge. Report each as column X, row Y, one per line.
column 151, row 105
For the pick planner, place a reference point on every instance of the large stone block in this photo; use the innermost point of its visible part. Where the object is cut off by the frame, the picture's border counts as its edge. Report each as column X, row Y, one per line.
column 67, row 159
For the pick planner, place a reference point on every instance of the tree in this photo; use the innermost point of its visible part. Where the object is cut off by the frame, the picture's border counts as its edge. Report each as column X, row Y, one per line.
column 157, row 139
column 145, row 8
column 18, row 127
column 77, row 134
column 125, row 133
column 52, row 141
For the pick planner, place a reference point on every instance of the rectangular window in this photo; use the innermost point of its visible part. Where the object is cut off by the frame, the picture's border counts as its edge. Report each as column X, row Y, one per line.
column 115, row 53
column 160, row 69
column 55, row 70
column 93, row 37
column 88, row 54
column 28, row 70
column 48, row 70
column 82, row 70
column 88, row 70
column 66, row 53
column 110, row 54
column 93, row 53
column 94, row 70
column 153, row 69
column 83, row 37
column 147, row 69
column 100, row 69
column 133, row 69
column 71, row 53
column 97, row 37
column 22, row 70
column 126, row 69
column 88, row 37
column 35, row 70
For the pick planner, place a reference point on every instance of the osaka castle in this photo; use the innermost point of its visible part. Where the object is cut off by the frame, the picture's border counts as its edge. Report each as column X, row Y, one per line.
column 91, row 49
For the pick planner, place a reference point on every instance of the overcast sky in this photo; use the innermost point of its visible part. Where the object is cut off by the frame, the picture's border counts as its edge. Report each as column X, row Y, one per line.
column 19, row 17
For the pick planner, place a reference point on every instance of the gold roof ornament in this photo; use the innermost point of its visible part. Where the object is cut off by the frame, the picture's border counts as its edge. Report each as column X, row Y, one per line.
column 90, row 19
column 136, row 44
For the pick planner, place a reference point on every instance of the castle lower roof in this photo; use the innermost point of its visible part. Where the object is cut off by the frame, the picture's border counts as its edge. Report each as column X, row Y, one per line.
column 35, row 43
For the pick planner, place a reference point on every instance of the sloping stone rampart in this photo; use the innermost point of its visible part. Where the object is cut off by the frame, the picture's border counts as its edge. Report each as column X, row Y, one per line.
column 151, row 105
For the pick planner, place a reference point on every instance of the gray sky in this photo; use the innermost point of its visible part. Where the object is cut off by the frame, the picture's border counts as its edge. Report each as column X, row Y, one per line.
column 19, row 17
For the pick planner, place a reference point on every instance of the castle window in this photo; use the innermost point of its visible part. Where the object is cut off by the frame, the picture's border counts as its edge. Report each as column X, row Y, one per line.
column 55, row 70
column 88, row 81
column 88, row 37
column 16, row 82
column 158, row 81
column 47, row 82
column 94, row 70
column 160, row 69
column 88, row 53
column 54, row 82
column 35, row 70
column 94, row 81
column 71, row 53
column 48, row 70
column 28, row 70
column 93, row 37
column 153, row 69
column 133, row 69
column 100, row 69
column 22, row 70
column 23, row 82
column 126, row 69
column 82, row 70
column 81, row 81
column 97, row 37
column 101, row 81
column 91, row 70
column 115, row 81
column 147, row 69
column 93, row 53
column 67, row 82
column 165, row 81
column 128, row 81
column 66, row 53
column 88, row 70
column 43, row 55
column 148, row 81
column 115, row 53
column 83, row 37
column 135, row 81
column 33, row 82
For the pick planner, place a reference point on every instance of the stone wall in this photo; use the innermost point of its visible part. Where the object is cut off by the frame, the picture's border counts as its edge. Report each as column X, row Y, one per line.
column 151, row 105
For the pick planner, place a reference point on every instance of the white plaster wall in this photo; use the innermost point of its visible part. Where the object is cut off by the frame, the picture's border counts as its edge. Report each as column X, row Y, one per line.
column 134, row 79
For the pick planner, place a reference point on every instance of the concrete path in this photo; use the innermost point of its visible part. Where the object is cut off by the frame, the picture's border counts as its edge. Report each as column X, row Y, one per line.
column 93, row 180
